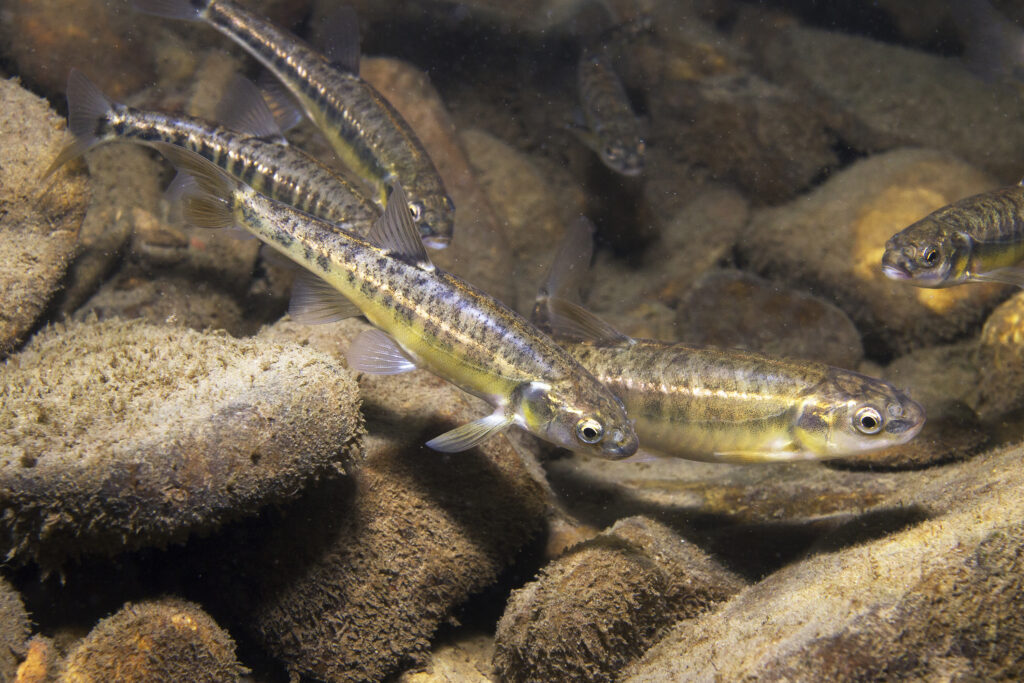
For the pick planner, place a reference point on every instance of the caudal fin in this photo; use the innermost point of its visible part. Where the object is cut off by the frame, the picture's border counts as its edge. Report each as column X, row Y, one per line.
column 87, row 108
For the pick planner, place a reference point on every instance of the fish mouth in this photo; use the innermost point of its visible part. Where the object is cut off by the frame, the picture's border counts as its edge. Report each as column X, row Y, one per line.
column 436, row 241
column 894, row 272
column 622, row 445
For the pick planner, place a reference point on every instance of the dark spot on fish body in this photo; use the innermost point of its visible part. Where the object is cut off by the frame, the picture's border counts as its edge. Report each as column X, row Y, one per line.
column 323, row 261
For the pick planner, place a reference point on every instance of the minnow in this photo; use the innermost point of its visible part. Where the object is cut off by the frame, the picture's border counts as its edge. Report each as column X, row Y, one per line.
column 366, row 132
column 257, row 154
column 612, row 129
column 723, row 405
column 425, row 318
column 977, row 239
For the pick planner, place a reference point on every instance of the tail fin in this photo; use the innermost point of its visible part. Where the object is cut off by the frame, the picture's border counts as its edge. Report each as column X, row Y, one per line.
column 208, row 203
column 189, row 10
column 87, row 108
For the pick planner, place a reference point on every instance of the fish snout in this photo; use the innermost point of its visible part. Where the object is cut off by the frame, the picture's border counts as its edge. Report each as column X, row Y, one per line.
column 895, row 265
column 909, row 423
column 621, row 443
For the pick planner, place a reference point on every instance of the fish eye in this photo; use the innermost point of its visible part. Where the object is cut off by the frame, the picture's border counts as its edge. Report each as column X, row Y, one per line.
column 589, row 430
column 868, row 420
column 417, row 211
column 929, row 256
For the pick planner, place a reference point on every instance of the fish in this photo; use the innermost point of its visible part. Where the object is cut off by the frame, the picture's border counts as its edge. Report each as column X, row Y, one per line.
column 612, row 129
column 368, row 134
column 423, row 317
column 256, row 153
column 977, row 239
column 722, row 405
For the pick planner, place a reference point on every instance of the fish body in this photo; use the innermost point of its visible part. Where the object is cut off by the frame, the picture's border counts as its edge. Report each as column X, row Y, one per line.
column 977, row 239
column 724, row 405
column 366, row 132
column 280, row 171
column 729, row 405
column 432, row 320
column 612, row 129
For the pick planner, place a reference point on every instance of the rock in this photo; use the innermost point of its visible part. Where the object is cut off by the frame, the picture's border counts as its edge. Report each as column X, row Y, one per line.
column 831, row 242
column 465, row 659
column 168, row 300
column 41, row 663
column 596, row 609
column 533, row 208
column 121, row 51
column 885, row 96
column 768, row 139
column 158, row 640
column 640, row 298
column 941, row 599
column 126, row 184
column 730, row 308
column 120, row 435
column 37, row 233
column 938, row 376
column 998, row 388
column 393, row 550
column 479, row 251
column 14, row 630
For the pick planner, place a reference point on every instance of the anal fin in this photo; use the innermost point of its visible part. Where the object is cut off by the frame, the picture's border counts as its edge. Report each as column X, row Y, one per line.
column 315, row 302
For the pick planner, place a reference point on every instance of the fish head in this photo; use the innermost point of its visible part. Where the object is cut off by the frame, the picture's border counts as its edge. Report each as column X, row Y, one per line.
column 624, row 156
column 579, row 416
column 434, row 215
column 850, row 413
column 929, row 254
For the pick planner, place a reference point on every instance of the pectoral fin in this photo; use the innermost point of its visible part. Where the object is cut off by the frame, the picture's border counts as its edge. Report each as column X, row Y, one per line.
column 375, row 353
column 469, row 435
column 1007, row 276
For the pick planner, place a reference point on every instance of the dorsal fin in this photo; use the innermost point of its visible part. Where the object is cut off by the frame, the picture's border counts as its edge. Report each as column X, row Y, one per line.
column 396, row 232
column 568, row 319
column 287, row 112
column 243, row 109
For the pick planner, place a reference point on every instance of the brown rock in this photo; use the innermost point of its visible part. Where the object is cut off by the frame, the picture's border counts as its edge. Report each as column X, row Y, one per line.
column 350, row 583
column 462, row 659
column 884, row 96
column 940, row 599
column 832, row 241
column 119, row 435
column 733, row 309
column 479, row 251
column 37, row 233
column 160, row 640
column 594, row 610
column 998, row 388
column 14, row 630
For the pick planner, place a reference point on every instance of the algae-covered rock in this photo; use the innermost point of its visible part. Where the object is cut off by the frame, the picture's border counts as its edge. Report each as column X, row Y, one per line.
column 158, row 640
column 1000, row 361
column 479, row 251
column 37, row 232
column 832, row 242
column 942, row 599
column 597, row 608
column 883, row 96
column 14, row 630
column 462, row 659
column 118, row 435
column 729, row 308
column 351, row 582
column 168, row 300
column 41, row 664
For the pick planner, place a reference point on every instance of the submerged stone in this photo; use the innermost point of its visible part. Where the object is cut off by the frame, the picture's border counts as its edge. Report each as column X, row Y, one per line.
column 159, row 640
column 602, row 604
column 120, row 435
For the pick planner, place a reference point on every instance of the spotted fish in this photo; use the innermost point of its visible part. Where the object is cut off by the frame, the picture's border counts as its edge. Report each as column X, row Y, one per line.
column 977, row 239
column 255, row 154
column 367, row 133
column 425, row 318
column 724, row 405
